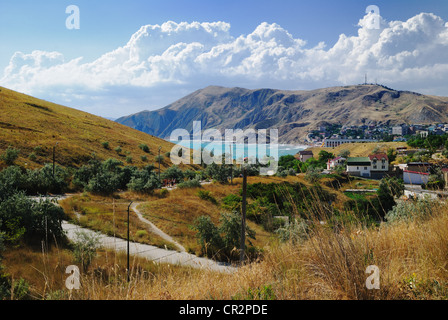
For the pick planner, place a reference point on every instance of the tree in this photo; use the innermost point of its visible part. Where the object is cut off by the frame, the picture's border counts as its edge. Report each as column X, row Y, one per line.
column 223, row 240
column 313, row 174
column 344, row 153
column 220, row 173
column 173, row 172
column 391, row 155
column 23, row 217
column 324, row 156
column 389, row 188
column 231, row 229
column 208, row 235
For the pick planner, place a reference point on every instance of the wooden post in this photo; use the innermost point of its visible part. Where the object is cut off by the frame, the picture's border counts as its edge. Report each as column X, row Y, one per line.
column 243, row 217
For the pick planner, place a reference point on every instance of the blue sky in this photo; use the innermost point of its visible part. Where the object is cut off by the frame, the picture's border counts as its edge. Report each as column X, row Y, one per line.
column 30, row 26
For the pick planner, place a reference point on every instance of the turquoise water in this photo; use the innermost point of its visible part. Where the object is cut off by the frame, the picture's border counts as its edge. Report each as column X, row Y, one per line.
column 246, row 149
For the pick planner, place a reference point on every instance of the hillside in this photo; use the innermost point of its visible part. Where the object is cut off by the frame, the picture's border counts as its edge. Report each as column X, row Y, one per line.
column 292, row 112
column 34, row 126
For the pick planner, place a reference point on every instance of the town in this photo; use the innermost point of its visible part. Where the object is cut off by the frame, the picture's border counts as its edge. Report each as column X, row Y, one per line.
column 332, row 135
column 420, row 162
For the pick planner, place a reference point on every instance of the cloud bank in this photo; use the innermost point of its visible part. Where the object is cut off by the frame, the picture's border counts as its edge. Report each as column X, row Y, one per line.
column 161, row 63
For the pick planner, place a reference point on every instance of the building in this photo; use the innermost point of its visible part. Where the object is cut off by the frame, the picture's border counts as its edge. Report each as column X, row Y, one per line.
column 304, row 155
column 333, row 163
column 379, row 165
column 359, row 166
column 399, row 131
column 374, row 166
column 335, row 142
column 415, row 177
column 422, row 167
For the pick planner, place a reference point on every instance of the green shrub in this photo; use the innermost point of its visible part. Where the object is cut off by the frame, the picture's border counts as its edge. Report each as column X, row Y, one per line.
column 105, row 144
column 232, row 202
column 144, row 147
column 189, row 184
column 141, row 233
column 85, row 247
column 24, row 217
column 10, row 155
column 207, row 195
column 173, row 173
column 411, row 210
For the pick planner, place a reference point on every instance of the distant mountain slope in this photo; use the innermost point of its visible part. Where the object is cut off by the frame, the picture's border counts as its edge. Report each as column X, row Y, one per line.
column 34, row 126
column 292, row 112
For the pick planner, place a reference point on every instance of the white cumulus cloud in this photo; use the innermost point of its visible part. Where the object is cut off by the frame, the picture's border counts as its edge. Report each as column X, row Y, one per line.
column 161, row 63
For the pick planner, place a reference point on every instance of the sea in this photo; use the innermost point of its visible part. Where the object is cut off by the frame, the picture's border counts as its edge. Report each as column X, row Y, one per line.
column 243, row 150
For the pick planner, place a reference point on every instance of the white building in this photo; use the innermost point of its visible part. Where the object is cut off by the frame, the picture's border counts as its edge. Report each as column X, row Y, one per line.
column 359, row 166
column 374, row 166
column 333, row 163
column 415, row 177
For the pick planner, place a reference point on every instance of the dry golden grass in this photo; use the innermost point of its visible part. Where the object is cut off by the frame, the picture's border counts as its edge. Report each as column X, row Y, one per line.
column 176, row 213
column 27, row 123
column 412, row 259
column 360, row 149
column 109, row 216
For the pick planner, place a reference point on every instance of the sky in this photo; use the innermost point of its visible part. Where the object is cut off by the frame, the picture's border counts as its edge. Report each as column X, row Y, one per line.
column 134, row 55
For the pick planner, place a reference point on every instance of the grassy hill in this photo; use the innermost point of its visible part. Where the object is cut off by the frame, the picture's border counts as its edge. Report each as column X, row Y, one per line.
column 360, row 149
column 35, row 126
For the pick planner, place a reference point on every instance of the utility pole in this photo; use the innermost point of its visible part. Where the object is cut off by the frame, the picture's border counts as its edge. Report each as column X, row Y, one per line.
column 54, row 156
column 159, row 161
column 243, row 218
column 129, row 279
column 231, row 165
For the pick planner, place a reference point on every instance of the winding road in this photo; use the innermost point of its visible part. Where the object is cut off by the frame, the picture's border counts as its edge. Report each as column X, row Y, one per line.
column 149, row 252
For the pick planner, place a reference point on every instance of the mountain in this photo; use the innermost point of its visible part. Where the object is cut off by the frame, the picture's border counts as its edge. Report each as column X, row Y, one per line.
column 34, row 127
column 293, row 113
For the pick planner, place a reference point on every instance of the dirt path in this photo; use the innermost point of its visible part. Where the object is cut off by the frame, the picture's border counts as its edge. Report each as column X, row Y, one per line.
column 149, row 252
column 154, row 229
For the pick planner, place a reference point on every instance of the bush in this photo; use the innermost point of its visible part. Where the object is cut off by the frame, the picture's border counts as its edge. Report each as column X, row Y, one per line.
column 222, row 242
column 104, row 183
column 411, row 210
column 208, row 235
column 105, row 144
column 10, row 155
column 173, row 173
column 144, row 147
column 189, row 184
column 207, row 195
column 84, row 248
column 313, row 174
column 118, row 149
column 296, row 232
column 42, row 181
column 32, row 156
column 144, row 181
column 23, row 217
column 232, row 202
